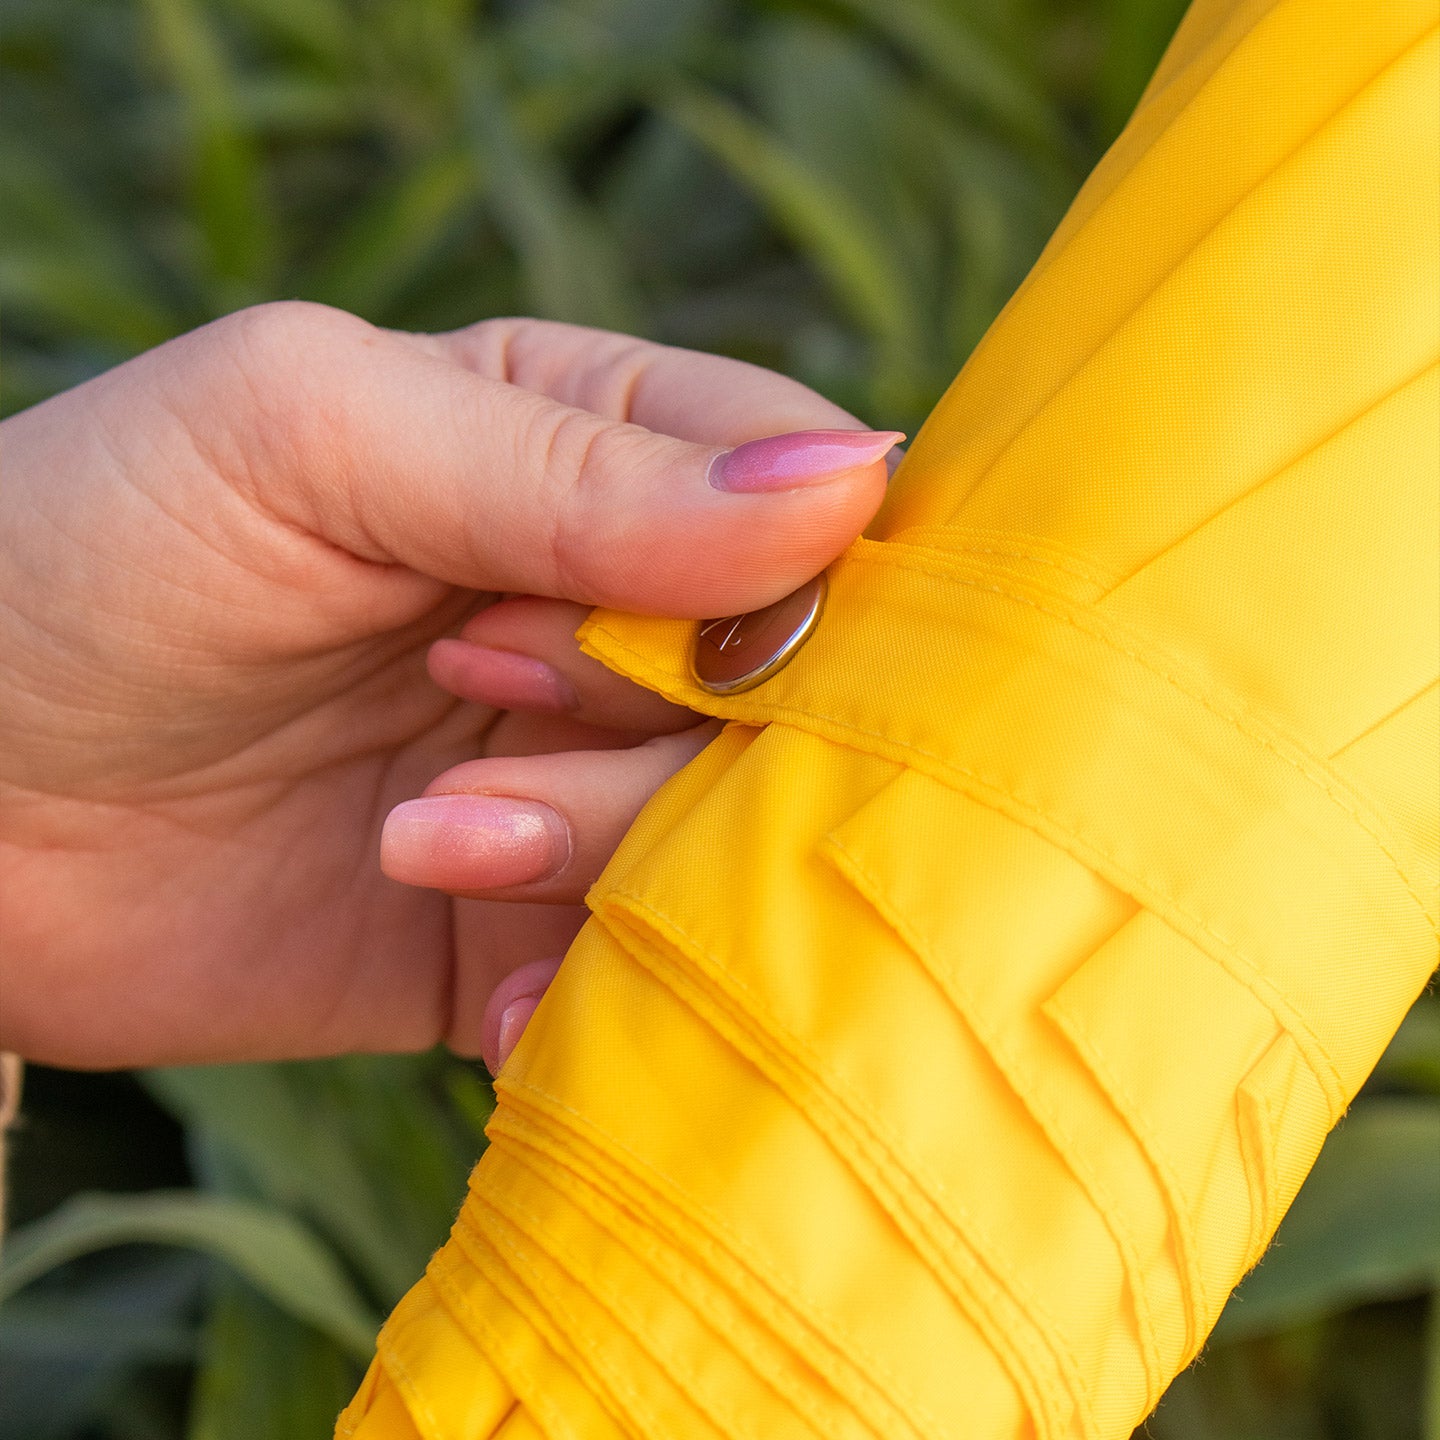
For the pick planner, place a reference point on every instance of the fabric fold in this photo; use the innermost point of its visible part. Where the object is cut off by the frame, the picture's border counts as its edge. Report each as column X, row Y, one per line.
column 949, row 1038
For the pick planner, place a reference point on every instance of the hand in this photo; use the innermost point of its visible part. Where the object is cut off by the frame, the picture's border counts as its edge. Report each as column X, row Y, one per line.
column 222, row 566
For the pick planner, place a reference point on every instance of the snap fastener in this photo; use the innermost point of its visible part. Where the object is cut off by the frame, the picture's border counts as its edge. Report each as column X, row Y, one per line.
column 738, row 652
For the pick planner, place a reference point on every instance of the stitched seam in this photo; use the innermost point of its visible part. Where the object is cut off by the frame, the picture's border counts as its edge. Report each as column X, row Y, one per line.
column 539, row 1163
column 741, row 1252
column 516, row 1136
column 409, row 1387
column 828, row 1086
column 1179, row 1202
column 950, row 540
column 1385, row 719
column 1156, row 896
column 1257, row 1141
column 800, row 717
column 620, row 1312
column 771, row 1297
column 750, row 1263
column 536, row 1159
column 609, row 1375
column 546, row 1412
column 639, row 1244
column 603, row 1377
column 1264, row 1117
column 869, row 885
column 1289, row 1019
column 1349, row 805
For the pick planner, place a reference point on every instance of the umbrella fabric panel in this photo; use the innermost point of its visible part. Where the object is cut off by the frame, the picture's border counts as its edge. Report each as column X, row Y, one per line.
column 950, row 1037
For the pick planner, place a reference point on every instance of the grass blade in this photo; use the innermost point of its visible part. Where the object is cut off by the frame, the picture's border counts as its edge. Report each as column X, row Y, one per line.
column 65, row 264
column 263, row 1373
column 572, row 270
column 231, row 209
column 393, row 236
column 272, row 1250
column 970, row 67
column 845, row 243
column 358, row 1146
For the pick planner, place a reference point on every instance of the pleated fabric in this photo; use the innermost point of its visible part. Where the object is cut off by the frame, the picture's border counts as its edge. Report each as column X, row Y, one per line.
column 949, row 1038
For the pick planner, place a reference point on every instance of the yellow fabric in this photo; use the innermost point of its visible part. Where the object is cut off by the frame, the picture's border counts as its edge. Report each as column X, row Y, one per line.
column 950, row 1037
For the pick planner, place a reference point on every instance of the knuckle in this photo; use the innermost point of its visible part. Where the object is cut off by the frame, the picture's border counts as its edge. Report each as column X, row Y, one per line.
column 619, row 377
column 282, row 335
column 586, row 461
column 284, row 350
column 281, row 357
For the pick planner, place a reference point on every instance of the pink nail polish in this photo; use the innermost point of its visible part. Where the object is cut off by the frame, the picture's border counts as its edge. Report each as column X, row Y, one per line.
column 509, row 1008
column 502, row 678
column 473, row 842
column 512, row 1026
column 791, row 462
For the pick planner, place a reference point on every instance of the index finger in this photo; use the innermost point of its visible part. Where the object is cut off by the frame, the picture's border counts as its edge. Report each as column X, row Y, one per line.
column 705, row 399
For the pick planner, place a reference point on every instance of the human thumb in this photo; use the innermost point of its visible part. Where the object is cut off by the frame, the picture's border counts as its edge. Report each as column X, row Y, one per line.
column 398, row 454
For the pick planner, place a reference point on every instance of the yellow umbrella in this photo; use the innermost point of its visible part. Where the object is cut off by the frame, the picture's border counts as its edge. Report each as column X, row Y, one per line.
column 950, row 1037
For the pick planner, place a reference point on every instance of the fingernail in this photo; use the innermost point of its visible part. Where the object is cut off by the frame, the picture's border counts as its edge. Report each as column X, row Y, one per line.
column 502, row 678
column 512, row 1026
column 473, row 842
column 510, row 1007
column 791, row 462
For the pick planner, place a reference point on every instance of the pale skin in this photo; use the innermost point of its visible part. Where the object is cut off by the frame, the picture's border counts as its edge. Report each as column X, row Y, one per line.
column 223, row 567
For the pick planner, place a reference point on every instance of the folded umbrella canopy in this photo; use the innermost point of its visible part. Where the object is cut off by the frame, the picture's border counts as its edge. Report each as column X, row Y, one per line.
column 949, row 1038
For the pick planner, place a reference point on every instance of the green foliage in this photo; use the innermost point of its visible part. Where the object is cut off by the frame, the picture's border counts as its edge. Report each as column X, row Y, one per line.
column 1336, row 1334
column 1366, row 1226
column 264, row 1245
column 846, row 190
column 322, row 1189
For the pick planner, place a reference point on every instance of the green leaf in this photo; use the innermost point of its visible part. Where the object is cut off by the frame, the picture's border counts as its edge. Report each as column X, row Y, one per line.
column 66, row 1344
column 998, row 217
column 386, row 244
column 653, row 28
column 295, row 108
column 256, row 1115
column 276, row 1253
column 838, row 108
column 64, row 294
column 231, row 208
column 1432, row 1370
column 1412, row 1059
column 846, row 243
column 321, row 30
column 1365, row 1226
column 573, row 270
column 1353, row 1376
column 472, row 1099
column 65, row 264
column 1136, row 34
column 263, row 1373
column 943, row 43
column 361, row 1146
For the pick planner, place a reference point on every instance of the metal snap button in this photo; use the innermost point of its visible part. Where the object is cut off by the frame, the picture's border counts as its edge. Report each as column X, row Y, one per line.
column 739, row 651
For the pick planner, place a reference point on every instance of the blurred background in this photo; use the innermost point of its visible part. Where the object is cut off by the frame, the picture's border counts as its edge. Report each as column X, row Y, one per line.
column 845, row 190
